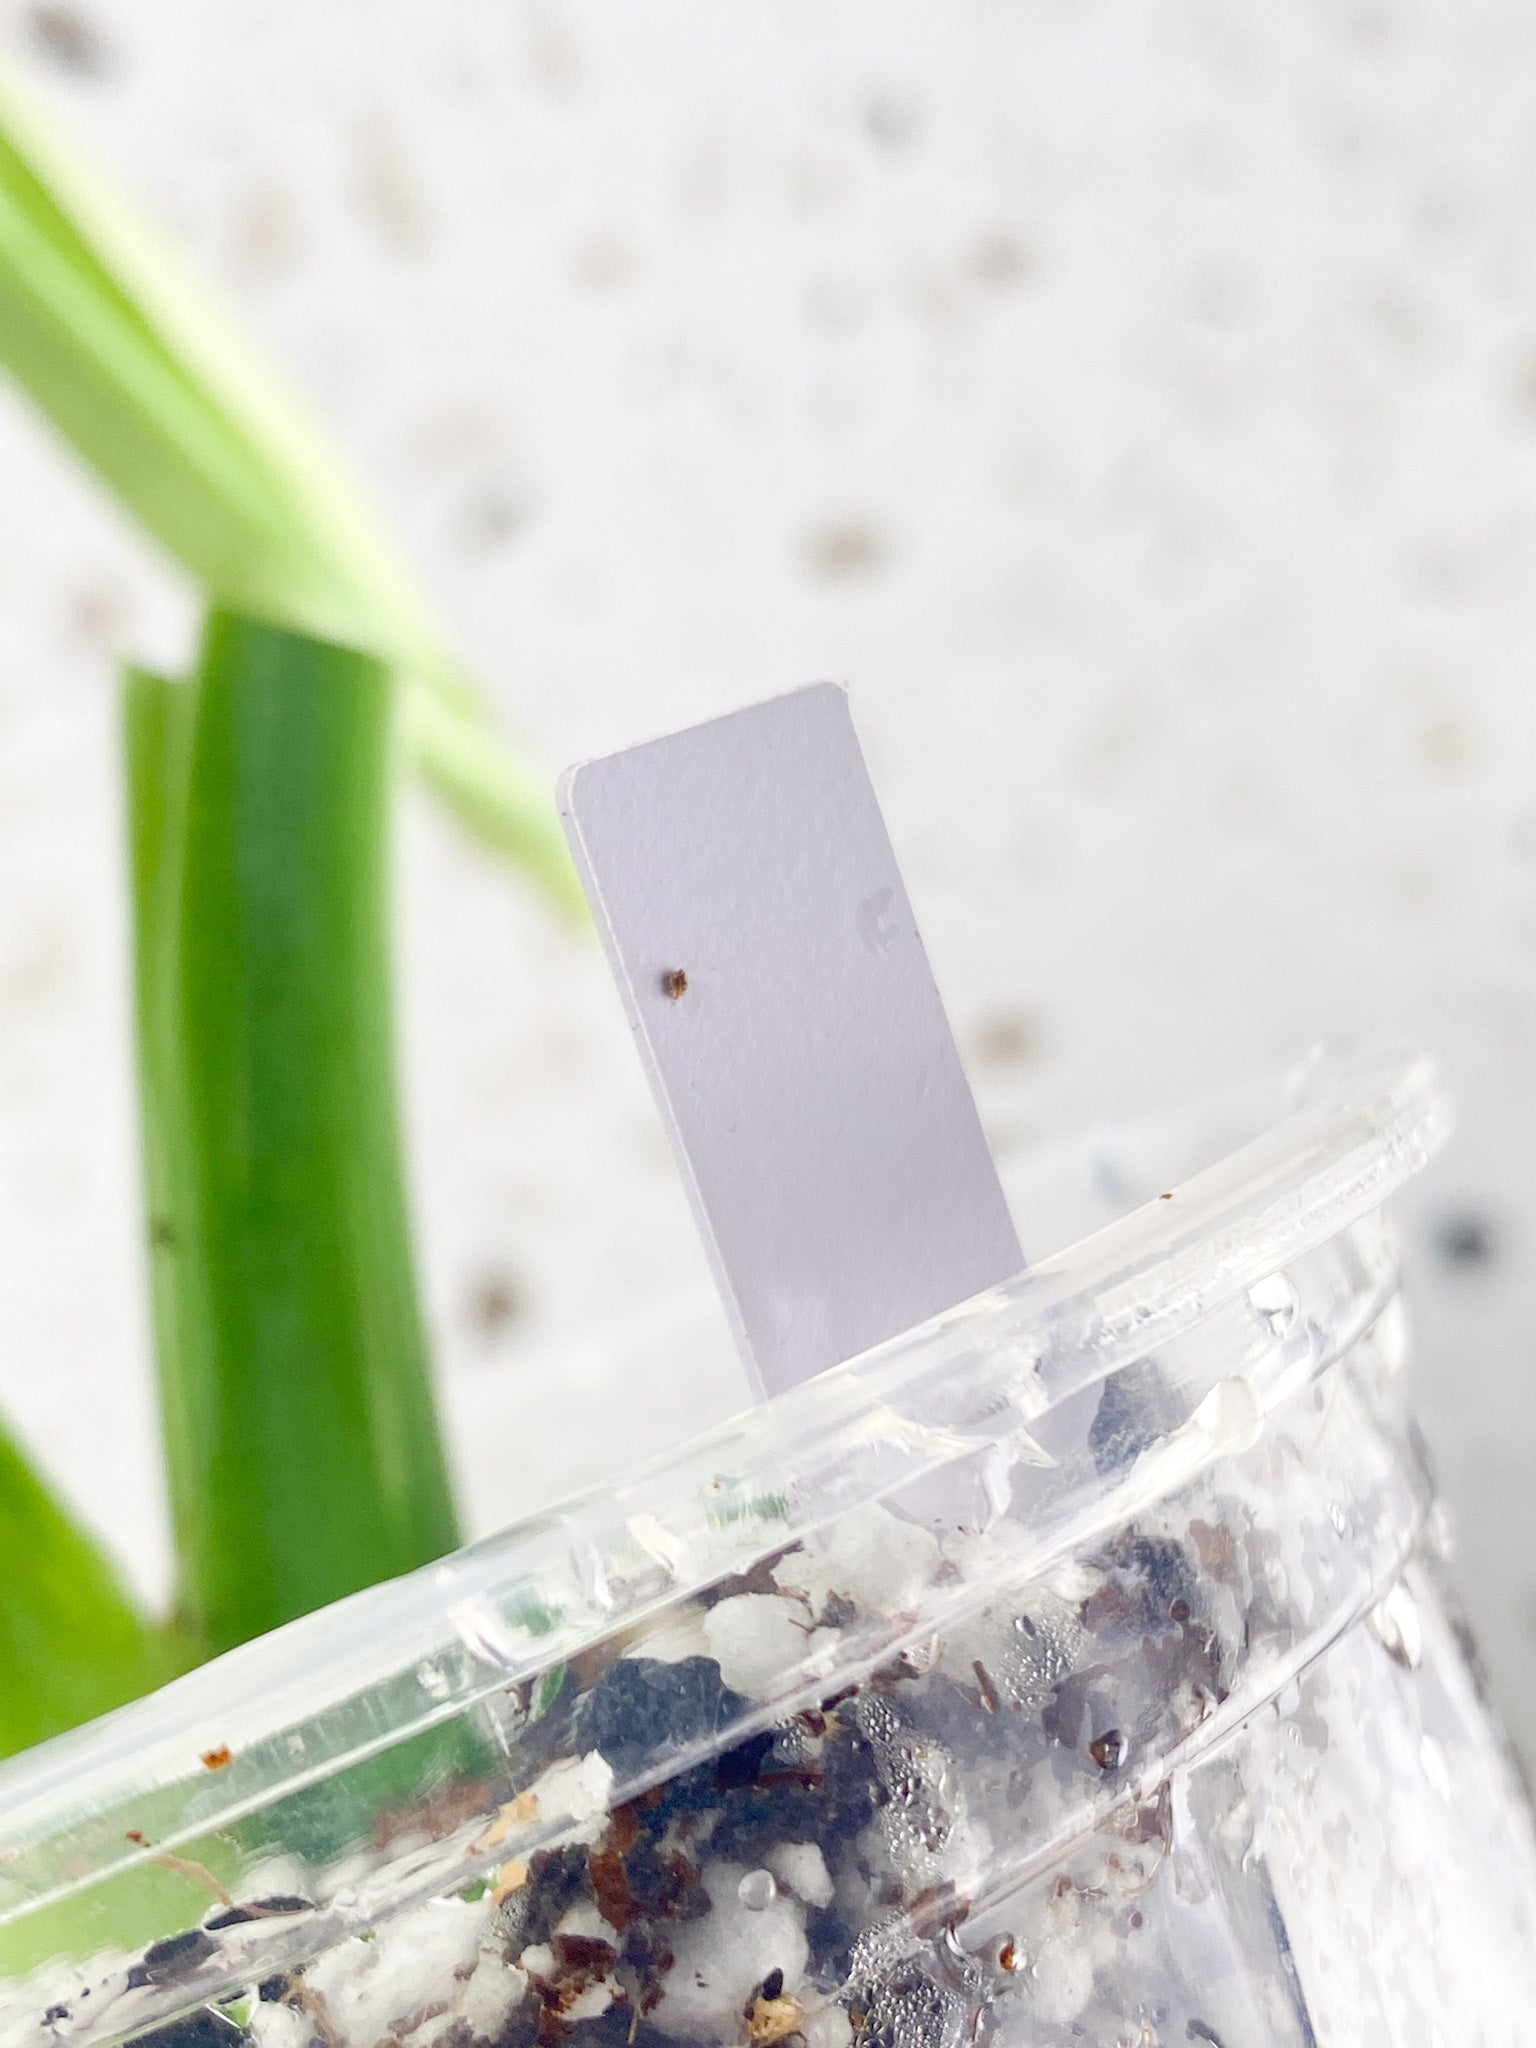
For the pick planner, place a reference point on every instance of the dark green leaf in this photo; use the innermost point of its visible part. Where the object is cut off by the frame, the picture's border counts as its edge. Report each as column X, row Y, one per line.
column 304, row 1455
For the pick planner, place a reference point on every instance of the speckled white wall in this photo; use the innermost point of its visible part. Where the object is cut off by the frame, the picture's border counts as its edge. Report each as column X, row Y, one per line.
column 1135, row 403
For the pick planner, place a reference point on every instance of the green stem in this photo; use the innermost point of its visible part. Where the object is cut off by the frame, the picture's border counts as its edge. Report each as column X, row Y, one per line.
column 304, row 1455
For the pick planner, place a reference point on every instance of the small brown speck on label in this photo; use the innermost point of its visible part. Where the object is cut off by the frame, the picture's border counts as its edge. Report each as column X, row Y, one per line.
column 1165, row 1198
column 674, row 983
column 217, row 1759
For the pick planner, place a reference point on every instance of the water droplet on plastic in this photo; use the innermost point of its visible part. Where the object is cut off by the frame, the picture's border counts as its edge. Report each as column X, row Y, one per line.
column 1230, row 1416
column 1339, row 1519
column 432, row 1679
column 878, row 1950
column 757, row 1891
column 911, row 2010
column 1274, row 1300
column 877, row 1719
column 1394, row 1622
column 1108, row 1750
column 952, row 1953
column 659, row 1544
column 968, row 1975
column 486, row 1633
column 592, row 1570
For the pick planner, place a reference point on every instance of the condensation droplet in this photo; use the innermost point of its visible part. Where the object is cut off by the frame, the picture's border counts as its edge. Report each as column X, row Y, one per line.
column 659, row 1544
column 1230, row 1417
column 592, row 1570
column 1394, row 1622
column 1108, row 1750
column 949, row 1947
column 757, row 1891
column 485, row 1632
column 910, row 2009
column 1274, row 1301
column 432, row 1679
column 1339, row 1519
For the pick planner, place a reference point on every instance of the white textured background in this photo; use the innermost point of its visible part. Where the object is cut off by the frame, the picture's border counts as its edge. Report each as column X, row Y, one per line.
column 1135, row 403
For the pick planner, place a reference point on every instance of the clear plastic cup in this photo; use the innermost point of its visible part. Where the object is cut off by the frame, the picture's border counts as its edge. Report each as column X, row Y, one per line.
column 1075, row 1668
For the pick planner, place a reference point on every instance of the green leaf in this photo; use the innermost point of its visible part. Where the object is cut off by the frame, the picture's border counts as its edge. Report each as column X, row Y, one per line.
column 157, row 732
column 302, row 1446
column 156, row 389
column 504, row 801
column 140, row 369
column 72, row 1642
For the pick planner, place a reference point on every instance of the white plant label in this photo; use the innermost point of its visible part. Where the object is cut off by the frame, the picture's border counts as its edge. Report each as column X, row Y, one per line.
column 746, row 890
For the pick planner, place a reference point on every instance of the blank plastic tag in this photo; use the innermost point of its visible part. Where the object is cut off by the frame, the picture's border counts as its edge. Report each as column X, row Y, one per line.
column 744, row 884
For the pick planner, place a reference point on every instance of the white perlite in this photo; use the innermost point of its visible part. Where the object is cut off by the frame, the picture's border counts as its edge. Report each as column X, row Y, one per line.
column 828, row 2027
column 802, row 1869
column 871, row 1557
column 368, row 1986
column 490, row 1995
column 721, row 1959
column 590, row 2003
column 584, row 1919
column 279, row 2026
column 576, row 1790
column 755, row 1638
column 672, row 1638
column 1062, row 1983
